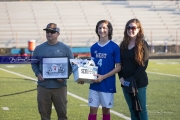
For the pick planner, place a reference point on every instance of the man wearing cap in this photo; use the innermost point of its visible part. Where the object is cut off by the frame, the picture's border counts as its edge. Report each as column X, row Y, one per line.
column 51, row 90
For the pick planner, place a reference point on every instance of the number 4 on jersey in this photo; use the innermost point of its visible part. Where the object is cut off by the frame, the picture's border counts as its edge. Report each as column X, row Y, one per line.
column 100, row 62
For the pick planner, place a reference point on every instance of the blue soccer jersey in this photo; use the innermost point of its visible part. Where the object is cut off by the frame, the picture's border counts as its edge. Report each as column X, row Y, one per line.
column 105, row 57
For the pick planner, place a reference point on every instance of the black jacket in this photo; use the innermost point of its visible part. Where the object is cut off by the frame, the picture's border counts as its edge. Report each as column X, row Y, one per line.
column 131, row 88
column 131, row 69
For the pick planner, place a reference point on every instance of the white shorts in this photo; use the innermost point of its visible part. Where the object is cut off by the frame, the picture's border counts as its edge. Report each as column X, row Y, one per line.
column 96, row 98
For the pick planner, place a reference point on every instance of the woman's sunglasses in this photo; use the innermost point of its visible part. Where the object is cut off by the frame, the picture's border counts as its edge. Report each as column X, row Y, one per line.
column 50, row 31
column 131, row 28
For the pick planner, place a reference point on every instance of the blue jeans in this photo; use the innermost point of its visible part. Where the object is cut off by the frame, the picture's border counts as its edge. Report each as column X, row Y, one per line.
column 142, row 100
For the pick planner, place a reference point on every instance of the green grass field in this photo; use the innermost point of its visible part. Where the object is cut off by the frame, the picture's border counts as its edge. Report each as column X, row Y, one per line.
column 18, row 94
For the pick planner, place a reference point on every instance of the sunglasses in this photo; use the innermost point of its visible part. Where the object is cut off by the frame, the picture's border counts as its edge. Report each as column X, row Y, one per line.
column 50, row 31
column 132, row 28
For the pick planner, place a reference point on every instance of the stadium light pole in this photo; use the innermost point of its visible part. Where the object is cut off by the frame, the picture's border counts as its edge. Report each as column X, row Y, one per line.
column 16, row 40
column 71, row 40
column 176, row 41
column 152, row 47
column 165, row 46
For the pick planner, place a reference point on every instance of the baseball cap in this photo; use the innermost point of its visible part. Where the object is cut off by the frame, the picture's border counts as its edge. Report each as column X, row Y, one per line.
column 52, row 26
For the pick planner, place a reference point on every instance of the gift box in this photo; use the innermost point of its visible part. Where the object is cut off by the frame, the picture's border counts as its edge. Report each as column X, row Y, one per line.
column 83, row 70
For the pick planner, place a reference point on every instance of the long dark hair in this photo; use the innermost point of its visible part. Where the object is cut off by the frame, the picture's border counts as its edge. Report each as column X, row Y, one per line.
column 139, row 43
column 110, row 28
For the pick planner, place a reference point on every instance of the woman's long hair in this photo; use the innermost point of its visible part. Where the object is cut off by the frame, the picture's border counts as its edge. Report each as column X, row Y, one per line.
column 110, row 28
column 139, row 43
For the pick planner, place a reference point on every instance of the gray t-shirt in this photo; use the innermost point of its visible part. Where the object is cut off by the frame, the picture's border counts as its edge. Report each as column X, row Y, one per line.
column 47, row 50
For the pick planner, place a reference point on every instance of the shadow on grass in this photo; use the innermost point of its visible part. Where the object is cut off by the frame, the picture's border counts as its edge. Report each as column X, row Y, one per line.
column 18, row 93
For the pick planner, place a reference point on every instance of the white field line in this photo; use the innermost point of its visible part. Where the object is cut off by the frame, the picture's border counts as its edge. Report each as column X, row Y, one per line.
column 71, row 94
column 163, row 74
column 112, row 111
column 5, row 108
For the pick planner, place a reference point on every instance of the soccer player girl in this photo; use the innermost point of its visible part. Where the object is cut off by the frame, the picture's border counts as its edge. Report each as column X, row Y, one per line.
column 106, row 55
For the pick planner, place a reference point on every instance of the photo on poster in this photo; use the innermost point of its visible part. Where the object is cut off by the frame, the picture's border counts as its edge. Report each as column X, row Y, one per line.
column 55, row 67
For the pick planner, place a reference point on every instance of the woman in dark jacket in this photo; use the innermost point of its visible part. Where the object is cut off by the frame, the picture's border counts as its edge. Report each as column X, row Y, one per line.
column 134, row 57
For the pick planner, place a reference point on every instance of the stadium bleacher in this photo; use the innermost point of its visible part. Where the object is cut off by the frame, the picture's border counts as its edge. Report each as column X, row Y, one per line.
column 23, row 21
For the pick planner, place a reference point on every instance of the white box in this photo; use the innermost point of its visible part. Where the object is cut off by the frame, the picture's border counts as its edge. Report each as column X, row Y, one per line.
column 83, row 72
